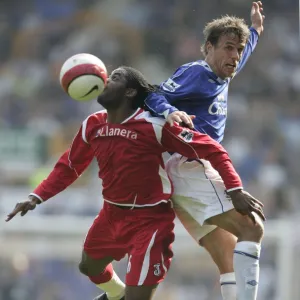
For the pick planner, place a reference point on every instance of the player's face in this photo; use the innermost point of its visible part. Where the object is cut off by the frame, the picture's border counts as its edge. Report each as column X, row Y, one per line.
column 226, row 54
column 115, row 89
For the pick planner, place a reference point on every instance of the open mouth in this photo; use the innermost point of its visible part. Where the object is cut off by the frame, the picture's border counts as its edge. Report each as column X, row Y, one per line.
column 233, row 66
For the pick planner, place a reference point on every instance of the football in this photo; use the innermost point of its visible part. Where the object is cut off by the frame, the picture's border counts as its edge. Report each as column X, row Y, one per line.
column 83, row 76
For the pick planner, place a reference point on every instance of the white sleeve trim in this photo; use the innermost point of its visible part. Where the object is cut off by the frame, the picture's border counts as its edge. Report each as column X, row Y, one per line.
column 234, row 189
column 166, row 113
column 84, row 124
column 158, row 132
column 37, row 196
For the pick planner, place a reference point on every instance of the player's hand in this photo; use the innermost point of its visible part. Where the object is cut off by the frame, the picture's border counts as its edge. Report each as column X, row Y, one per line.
column 246, row 204
column 23, row 208
column 257, row 17
column 182, row 118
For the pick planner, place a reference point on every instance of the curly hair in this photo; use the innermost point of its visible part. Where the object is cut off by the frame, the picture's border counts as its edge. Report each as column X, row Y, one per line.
column 223, row 26
column 136, row 80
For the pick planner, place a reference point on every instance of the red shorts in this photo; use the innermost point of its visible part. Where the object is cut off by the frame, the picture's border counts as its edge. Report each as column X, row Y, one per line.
column 144, row 234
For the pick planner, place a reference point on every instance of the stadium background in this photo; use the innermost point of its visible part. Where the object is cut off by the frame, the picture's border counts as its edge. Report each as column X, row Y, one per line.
column 39, row 253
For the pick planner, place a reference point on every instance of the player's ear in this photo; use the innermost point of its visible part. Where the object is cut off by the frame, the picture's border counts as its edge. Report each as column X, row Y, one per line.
column 131, row 93
column 208, row 46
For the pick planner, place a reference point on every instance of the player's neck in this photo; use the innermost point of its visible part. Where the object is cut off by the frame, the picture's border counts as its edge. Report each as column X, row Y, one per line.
column 119, row 115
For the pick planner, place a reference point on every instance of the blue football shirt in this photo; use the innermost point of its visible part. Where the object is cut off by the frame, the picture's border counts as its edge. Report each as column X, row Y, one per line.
column 195, row 89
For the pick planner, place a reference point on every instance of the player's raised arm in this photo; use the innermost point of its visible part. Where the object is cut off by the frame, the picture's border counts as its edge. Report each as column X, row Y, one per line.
column 257, row 17
column 195, row 145
column 68, row 168
column 256, row 29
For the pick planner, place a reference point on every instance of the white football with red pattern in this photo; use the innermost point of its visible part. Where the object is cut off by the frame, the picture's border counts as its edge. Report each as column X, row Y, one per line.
column 83, row 76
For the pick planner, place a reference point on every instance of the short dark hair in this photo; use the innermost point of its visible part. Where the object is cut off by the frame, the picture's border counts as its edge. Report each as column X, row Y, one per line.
column 136, row 80
column 223, row 26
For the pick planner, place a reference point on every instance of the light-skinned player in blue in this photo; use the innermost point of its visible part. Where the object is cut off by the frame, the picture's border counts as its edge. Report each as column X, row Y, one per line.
column 200, row 88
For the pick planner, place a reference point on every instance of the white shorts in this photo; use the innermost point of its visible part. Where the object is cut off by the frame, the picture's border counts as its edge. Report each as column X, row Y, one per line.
column 199, row 193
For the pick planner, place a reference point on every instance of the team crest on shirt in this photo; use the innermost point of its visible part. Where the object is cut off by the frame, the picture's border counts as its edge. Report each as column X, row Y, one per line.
column 186, row 135
column 170, row 85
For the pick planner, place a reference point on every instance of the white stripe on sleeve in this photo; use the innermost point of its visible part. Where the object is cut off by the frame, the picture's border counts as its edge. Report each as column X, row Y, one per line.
column 84, row 124
column 158, row 132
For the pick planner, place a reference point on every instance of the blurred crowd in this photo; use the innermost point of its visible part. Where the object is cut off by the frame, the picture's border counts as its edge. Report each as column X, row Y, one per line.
column 38, row 120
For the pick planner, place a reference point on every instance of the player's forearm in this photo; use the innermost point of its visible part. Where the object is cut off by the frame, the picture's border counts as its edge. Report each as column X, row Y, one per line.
column 219, row 159
column 258, row 29
column 210, row 150
column 250, row 46
column 222, row 163
column 252, row 41
column 59, row 179
column 159, row 105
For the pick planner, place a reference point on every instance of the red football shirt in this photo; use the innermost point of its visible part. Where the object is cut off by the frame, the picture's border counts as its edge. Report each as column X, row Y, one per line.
column 129, row 157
